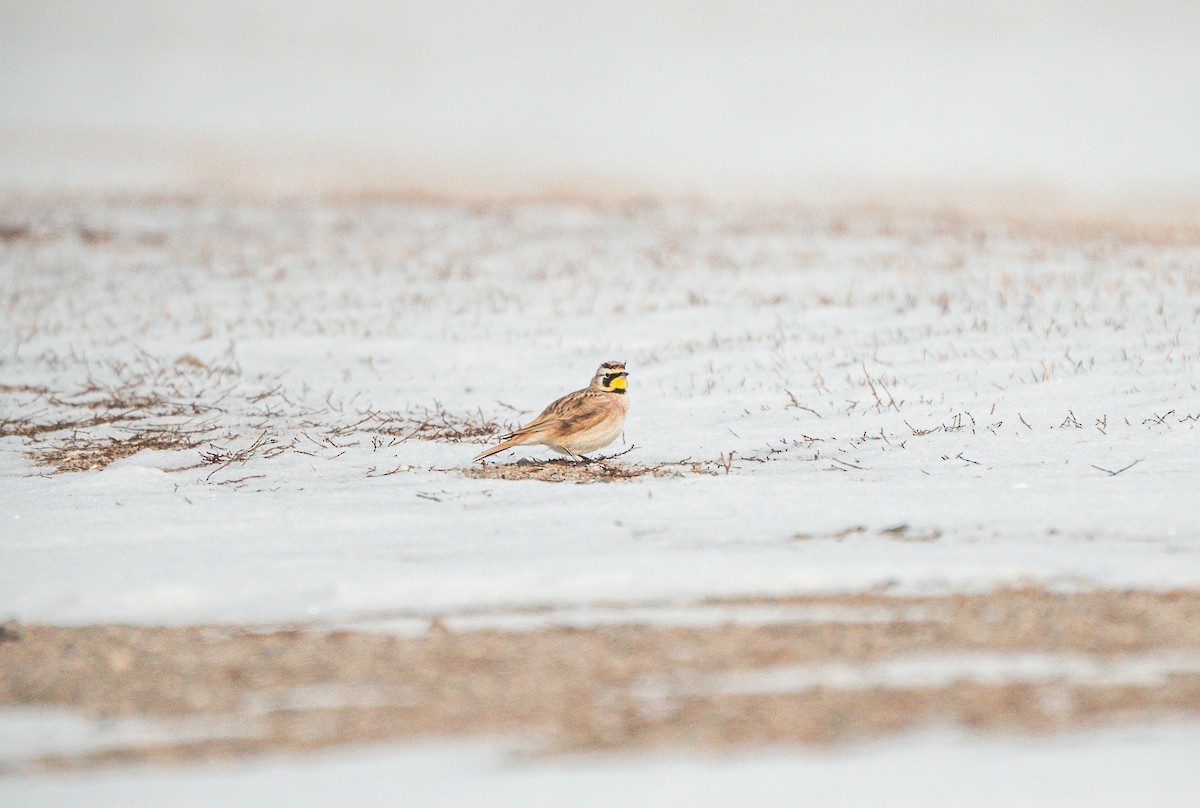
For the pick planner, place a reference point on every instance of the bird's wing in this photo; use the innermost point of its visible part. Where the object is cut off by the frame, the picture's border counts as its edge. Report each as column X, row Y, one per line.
column 574, row 410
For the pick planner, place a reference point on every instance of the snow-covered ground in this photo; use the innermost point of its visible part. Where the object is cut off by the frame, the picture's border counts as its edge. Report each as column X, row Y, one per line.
column 1103, row 769
column 875, row 401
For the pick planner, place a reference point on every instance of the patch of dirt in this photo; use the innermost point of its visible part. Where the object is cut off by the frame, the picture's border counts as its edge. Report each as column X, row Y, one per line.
column 14, row 232
column 296, row 688
column 577, row 471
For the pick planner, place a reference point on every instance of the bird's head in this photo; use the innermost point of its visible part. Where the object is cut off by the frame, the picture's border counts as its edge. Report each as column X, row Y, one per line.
column 610, row 377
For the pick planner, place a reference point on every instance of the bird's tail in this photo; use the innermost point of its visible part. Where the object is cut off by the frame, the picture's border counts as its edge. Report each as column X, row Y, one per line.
column 515, row 440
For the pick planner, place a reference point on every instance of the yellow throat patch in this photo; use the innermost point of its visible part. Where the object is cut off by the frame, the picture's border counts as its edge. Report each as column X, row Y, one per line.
column 618, row 383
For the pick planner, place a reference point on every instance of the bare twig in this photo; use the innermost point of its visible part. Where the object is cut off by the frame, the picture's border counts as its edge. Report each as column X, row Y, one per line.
column 797, row 405
column 1118, row 471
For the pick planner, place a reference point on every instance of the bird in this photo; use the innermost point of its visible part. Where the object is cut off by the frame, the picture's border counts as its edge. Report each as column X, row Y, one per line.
column 579, row 422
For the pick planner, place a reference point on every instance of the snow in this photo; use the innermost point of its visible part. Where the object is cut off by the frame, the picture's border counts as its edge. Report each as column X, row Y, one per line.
column 32, row 732
column 912, row 404
column 691, row 616
column 1146, row 765
column 942, row 670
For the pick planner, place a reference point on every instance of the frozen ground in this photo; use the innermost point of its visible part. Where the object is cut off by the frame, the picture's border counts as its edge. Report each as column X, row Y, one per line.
column 865, row 400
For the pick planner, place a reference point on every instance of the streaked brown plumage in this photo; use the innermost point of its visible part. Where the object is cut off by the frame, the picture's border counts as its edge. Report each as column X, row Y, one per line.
column 579, row 422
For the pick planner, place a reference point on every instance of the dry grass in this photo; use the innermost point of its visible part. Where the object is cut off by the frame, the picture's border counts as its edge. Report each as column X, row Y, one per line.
column 26, row 427
column 83, row 452
column 437, row 424
column 89, row 419
column 117, row 409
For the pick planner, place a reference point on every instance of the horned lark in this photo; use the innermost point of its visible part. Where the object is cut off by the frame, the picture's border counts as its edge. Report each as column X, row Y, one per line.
column 579, row 422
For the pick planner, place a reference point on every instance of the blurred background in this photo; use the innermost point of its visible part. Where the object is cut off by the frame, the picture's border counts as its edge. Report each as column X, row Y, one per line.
column 717, row 98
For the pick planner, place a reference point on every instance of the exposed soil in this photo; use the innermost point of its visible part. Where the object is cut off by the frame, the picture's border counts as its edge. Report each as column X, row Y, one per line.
column 298, row 688
column 578, row 471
